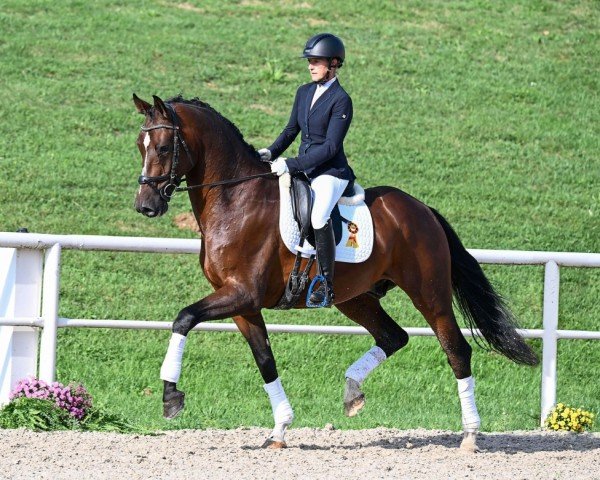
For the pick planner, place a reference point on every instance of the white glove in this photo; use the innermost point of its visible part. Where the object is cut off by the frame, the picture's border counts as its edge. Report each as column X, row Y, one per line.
column 279, row 167
column 265, row 154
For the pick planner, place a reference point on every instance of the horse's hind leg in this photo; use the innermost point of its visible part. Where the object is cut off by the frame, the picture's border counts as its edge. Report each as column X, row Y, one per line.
column 254, row 331
column 433, row 298
column 389, row 338
column 458, row 352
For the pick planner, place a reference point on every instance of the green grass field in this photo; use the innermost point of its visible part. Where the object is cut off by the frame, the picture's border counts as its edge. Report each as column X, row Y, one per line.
column 489, row 112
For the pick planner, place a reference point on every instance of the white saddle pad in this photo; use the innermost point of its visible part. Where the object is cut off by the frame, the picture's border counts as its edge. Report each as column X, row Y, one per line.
column 354, row 247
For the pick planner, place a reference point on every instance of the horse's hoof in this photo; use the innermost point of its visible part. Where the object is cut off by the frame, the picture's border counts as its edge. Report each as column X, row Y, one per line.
column 274, row 444
column 354, row 406
column 173, row 405
column 468, row 444
column 354, row 398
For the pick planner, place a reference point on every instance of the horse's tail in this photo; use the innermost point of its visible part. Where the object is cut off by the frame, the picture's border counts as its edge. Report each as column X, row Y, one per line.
column 481, row 305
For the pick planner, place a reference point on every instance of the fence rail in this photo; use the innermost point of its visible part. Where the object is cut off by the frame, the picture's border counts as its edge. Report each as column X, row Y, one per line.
column 272, row 328
column 29, row 301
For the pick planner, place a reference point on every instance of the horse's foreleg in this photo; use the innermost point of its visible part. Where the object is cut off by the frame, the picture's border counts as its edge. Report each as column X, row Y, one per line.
column 254, row 330
column 224, row 303
column 173, row 399
column 389, row 338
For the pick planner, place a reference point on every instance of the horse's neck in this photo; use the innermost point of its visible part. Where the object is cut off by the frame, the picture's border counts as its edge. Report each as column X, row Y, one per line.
column 226, row 155
column 227, row 158
column 232, row 205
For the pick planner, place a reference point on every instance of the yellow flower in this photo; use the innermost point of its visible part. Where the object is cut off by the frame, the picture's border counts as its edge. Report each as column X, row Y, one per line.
column 565, row 417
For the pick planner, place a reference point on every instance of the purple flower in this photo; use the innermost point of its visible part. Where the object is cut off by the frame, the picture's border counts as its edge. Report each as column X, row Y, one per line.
column 73, row 398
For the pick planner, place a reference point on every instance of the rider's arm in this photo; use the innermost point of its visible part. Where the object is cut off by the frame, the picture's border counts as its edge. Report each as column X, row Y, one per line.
column 289, row 133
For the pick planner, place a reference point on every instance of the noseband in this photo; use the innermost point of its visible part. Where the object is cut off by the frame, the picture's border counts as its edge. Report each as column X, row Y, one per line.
column 173, row 181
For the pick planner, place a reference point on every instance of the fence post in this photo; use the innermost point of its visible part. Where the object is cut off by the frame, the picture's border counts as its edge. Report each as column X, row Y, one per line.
column 50, row 291
column 550, row 338
column 8, row 260
column 20, row 296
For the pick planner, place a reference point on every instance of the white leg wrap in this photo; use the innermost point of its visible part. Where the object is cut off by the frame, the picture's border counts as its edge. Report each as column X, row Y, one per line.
column 360, row 369
column 171, row 367
column 466, row 393
column 282, row 410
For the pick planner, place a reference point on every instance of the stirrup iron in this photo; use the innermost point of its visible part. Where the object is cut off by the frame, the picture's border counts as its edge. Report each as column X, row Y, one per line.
column 325, row 302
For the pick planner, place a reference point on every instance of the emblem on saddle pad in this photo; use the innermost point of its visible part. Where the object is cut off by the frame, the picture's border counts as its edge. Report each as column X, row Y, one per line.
column 353, row 237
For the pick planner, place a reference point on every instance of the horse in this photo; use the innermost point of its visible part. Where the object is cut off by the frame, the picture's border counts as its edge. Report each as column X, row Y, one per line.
column 235, row 200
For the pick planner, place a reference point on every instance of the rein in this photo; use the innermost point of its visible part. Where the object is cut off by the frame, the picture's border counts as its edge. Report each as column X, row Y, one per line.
column 173, row 181
column 224, row 182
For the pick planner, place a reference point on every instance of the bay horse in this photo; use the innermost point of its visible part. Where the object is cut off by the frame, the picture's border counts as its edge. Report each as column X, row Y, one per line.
column 235, row 200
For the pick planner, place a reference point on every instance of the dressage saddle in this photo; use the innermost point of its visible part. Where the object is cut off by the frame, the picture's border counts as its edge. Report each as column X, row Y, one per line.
column 302, row 203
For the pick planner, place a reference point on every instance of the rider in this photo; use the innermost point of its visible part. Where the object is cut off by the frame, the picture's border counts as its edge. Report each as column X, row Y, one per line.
column 322, row 111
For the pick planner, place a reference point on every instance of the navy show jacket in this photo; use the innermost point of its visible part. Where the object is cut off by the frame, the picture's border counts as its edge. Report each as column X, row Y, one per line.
column 323, row 128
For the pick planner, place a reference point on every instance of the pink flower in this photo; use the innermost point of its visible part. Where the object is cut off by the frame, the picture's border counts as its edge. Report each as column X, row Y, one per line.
column 73, row 398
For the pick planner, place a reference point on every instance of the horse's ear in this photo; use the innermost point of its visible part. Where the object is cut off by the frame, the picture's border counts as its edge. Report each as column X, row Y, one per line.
column 160, row 106
column 142, row 107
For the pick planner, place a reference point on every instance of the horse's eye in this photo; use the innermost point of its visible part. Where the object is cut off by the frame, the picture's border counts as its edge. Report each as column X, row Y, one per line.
column 164, row 149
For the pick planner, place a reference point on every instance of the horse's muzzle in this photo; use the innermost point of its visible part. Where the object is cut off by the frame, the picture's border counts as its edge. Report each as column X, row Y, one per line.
column 151, row 209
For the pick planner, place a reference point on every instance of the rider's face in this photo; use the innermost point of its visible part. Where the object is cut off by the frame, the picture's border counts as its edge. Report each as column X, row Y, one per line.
column 318, row 68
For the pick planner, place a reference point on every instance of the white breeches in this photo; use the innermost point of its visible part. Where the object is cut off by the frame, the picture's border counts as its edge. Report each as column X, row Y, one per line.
column 327, row 190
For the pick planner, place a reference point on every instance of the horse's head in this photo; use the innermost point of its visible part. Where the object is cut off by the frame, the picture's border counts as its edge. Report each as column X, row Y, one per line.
column 159, row 143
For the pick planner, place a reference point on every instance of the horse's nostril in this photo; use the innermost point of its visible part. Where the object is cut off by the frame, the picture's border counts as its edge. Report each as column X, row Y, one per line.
column 149, row 212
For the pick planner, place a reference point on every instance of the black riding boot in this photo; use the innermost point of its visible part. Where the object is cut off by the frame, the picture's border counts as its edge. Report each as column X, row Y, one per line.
column 325, row 245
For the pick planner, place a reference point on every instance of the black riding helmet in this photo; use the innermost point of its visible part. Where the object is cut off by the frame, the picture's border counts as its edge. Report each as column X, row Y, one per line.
column 325, row 45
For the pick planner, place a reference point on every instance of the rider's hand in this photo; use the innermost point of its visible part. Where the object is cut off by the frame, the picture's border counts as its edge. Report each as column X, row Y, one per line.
column 279, row 167
column 265, row 154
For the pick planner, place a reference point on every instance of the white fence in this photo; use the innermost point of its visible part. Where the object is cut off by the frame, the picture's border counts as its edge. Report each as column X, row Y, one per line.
column 29, row 291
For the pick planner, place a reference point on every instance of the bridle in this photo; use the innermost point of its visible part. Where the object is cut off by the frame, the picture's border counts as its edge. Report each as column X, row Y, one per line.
column 172, row 179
